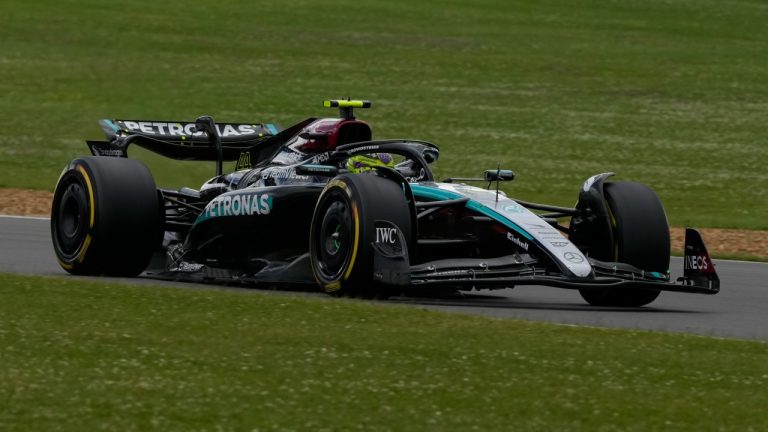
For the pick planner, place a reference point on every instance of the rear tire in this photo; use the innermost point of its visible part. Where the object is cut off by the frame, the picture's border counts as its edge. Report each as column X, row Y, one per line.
column 343, row 230
column 641, row 238
column 106, row 217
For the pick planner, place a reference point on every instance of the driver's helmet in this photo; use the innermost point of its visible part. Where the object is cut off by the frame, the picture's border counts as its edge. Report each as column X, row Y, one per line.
column 362, row 163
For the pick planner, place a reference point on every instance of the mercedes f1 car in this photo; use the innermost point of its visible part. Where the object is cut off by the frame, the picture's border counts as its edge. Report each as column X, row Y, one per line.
column 322, row 204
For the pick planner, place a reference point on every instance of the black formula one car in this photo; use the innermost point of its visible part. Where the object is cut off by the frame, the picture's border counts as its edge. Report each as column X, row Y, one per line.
column 320, row 203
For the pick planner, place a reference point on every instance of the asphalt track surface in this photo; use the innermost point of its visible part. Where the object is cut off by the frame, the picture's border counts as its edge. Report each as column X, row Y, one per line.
column 740, row 310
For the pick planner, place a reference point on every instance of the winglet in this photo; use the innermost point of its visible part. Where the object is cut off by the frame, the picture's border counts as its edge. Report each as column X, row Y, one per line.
column 699, row 270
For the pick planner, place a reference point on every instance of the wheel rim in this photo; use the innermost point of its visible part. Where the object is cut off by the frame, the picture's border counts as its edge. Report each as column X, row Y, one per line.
column 334, row 240
column 71, row 219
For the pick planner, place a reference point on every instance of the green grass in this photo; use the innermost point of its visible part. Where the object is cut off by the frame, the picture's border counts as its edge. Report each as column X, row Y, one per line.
column 80, row 355
column 670, row 93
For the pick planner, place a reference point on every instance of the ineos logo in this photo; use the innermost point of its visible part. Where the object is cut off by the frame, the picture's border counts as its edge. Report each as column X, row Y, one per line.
column 573, row 257
column 698, row 262
column 386, row 235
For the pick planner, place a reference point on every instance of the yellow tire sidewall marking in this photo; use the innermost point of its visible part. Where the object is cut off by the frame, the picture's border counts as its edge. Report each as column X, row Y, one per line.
column 66, row 266
column 336, row 285
column 91, row 204
column 614, row 225
column 355, row 216
column 331, row 287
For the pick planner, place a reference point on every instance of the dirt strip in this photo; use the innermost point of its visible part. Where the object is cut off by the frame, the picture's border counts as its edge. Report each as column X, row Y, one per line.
column 720, row 241
column 21, row 202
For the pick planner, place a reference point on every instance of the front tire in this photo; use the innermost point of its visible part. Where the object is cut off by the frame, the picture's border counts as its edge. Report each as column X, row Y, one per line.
column 343, row 230
column 106, row 217
column 641, row 238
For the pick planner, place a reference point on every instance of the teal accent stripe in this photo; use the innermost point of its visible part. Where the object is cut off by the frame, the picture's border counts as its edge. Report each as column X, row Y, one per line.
column 272, row 129
column 112, row 124
column 493, row 214
column 434, row 193
column 440, row 194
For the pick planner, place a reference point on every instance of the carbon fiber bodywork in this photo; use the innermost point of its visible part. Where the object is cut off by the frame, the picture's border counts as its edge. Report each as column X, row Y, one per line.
column 251, row 226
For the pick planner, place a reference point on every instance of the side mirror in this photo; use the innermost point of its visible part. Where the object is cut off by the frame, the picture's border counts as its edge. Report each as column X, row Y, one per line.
column 430, row 154
column 498, row 175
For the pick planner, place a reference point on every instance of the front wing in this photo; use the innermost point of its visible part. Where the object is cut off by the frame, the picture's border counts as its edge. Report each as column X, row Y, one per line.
column 393, row 269
column 490, row 274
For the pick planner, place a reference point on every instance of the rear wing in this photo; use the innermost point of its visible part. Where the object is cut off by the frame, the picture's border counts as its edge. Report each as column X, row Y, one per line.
column 185, row 131
column 179, row 140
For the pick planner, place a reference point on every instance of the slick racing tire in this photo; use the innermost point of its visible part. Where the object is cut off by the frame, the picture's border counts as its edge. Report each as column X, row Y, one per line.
column 641, row 235
column 344, row 229
column 106, row 217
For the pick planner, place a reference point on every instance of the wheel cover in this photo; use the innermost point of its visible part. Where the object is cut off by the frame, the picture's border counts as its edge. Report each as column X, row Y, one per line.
column 334, row 240
column 71, row 224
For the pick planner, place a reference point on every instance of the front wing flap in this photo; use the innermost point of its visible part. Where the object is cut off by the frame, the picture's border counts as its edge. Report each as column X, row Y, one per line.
column 509, row 271
column 699, row 273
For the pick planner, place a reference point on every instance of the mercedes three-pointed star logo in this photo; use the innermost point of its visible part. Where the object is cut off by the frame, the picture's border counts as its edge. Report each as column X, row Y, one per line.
column 573, row 257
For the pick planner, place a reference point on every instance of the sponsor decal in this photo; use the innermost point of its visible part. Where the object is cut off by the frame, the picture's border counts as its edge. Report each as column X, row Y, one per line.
column 282, row 174
column 99, row 148
column 388, row 238
column 187, row 267
column 573, row 257
column 559, row 244
column 364, row 149
column 451, row 273
column 188, row 129
column 108, row 152
column 517, row 241
column 238, row 205
column 697, row 262
column 386, row 235
column 544, row 232
column 514, row 208
column 322, row 157
column 318, row 168
column 287, row 157
column 537, row 226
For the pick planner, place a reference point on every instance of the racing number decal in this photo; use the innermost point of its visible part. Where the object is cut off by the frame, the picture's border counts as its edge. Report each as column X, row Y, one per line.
column 244, row 161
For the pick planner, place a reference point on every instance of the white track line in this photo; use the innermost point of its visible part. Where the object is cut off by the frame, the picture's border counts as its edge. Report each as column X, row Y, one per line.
column 24, row 217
